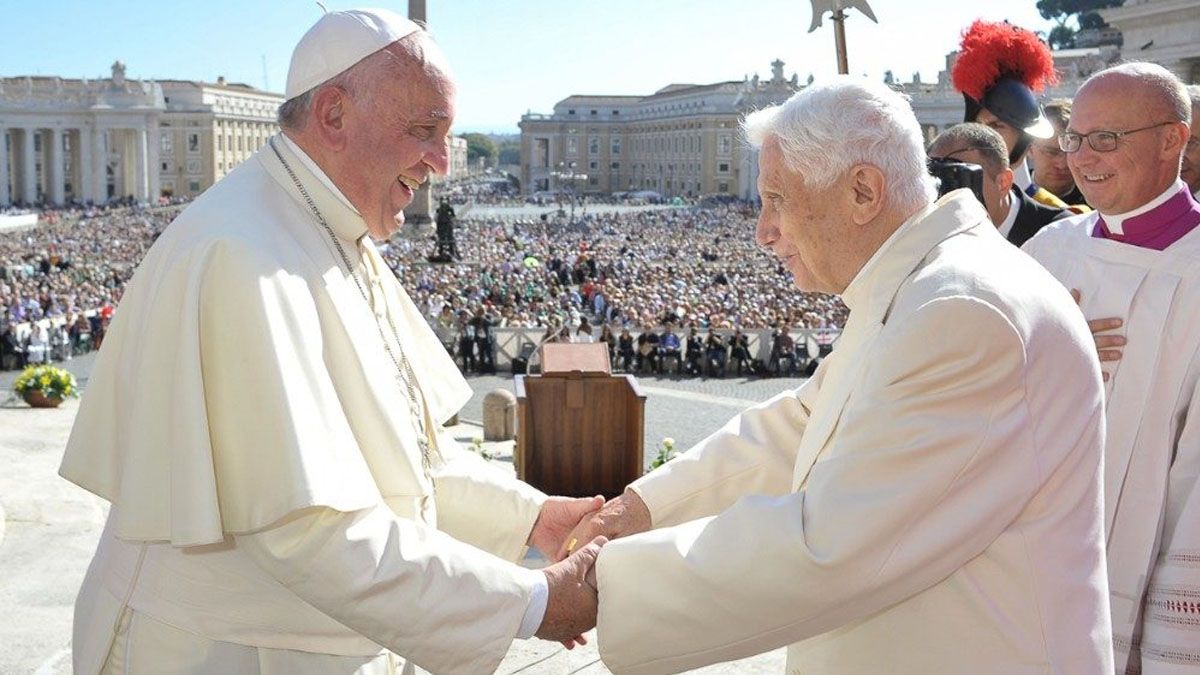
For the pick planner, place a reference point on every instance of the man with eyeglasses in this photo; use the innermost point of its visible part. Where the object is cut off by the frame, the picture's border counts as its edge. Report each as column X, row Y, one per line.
column 1137, row 257
column 1050, row 168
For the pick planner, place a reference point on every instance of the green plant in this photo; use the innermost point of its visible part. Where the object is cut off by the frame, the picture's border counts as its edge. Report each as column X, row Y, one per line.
column 51, row 381
column 666, row 453
column 477, row 446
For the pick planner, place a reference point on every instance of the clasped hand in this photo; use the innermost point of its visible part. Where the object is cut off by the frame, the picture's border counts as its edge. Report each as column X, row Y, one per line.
column 571, row 532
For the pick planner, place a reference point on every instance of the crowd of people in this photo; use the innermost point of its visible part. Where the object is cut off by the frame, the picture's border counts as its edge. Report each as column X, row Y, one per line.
column 643, row 270
column 639, row 269
column 71, row 269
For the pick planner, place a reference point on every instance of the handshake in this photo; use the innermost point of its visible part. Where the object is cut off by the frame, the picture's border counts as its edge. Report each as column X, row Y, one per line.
column 570, row 533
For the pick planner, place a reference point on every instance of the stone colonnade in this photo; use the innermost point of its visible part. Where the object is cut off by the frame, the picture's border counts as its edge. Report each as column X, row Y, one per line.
column 92, row 161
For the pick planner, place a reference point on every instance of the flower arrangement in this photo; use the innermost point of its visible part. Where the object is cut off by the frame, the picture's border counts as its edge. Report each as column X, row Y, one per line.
column 666, row 453
column 46, row 382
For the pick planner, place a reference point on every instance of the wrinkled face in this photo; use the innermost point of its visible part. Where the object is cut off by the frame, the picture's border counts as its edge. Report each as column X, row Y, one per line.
column 399, row 138
column 1050, row 166
column 1009, row 133
column 798, row 224
column 1142, row 165
column 1190, row 172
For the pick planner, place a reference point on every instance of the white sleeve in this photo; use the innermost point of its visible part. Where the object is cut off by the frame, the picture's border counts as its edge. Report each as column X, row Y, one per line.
column 754, row 453
column 441, row 603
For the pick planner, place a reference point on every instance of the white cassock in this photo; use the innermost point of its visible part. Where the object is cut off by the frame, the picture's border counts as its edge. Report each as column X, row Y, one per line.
column 930, row 502
column 270, row 512
column 1152, row 458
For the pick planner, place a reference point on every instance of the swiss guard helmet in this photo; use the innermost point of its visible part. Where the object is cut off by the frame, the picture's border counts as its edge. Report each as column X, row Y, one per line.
column 999, row 68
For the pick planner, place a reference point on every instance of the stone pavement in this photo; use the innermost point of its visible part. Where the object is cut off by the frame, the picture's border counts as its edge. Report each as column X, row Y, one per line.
column 49, row 528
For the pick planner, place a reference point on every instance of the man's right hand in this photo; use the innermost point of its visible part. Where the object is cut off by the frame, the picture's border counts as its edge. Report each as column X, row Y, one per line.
column 572, row 603
column 619, row 517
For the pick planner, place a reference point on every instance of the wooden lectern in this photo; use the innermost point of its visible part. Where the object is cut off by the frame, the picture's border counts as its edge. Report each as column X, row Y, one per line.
column 579, row 428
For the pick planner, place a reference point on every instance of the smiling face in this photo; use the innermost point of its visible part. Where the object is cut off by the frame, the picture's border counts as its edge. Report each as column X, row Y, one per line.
column 396, row 136
column 798, row 224
column 1144, row 164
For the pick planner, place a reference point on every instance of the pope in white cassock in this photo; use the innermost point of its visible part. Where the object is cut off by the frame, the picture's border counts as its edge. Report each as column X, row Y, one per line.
column 930, row 501
column 264, row 416
column 1137, row 257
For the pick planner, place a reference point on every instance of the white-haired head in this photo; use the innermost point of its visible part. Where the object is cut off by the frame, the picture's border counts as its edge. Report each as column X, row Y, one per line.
column 831, row 126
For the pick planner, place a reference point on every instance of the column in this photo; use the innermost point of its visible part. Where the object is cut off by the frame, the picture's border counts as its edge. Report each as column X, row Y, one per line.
column 152, row 158
column 85, row 186
column 5, row 195
column 140, row 168
column 28, row 167
column 99, row 174
column 55, row 173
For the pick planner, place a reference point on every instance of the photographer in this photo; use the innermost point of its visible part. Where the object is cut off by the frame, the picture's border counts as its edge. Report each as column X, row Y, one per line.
column 1015, row 214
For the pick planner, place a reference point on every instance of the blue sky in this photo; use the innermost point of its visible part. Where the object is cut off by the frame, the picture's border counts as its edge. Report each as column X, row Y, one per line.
column 509, row 56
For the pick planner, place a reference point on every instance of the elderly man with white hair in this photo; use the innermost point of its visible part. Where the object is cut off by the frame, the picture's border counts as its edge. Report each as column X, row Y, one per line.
column 1137, row 258
column 930, row 501
column 265, row 415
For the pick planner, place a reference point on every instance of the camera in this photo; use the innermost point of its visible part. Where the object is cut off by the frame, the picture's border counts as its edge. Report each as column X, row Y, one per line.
column 953, row 175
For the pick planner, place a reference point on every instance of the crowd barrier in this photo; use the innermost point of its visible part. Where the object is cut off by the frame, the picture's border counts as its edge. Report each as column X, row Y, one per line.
column 511, row 341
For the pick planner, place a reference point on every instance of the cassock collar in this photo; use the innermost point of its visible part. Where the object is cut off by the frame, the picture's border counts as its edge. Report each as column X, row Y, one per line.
column 341, row 215
column 1014, row 207
column 875, row 286
column 1116, row 222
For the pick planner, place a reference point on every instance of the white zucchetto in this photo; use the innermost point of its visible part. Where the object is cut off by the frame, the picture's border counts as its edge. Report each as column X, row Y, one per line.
column 338, row 40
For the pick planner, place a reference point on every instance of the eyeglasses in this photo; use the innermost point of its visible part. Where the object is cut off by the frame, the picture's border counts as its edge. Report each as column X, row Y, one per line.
column 1100, row 141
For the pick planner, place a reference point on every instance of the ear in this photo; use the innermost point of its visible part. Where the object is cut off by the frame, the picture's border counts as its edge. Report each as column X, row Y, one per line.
column 1004, row 180
column 867, row 188
column 1175, row 139
column 328, row 116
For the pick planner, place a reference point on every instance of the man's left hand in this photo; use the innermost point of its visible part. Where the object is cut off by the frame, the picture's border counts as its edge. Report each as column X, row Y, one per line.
column 560, row 515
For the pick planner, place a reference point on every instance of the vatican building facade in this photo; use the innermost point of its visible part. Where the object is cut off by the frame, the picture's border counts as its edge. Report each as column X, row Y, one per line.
column 79, row 140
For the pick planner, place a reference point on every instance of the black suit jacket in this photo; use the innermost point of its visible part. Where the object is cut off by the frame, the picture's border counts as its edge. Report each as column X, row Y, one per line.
column 1031, row 217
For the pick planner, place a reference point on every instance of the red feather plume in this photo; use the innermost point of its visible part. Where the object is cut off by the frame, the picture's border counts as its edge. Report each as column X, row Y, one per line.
column 991, row 50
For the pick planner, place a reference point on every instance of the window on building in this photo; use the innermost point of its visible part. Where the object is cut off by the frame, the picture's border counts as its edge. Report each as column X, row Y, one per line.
column 166, row 143
column 570, row 112
column 616, row 112
column 593, row 164
column 723, row 167
column 593, row 145
column 615, row 145
column 593, row 180
column 164, row 167
column 615, row 165
column 593, row 112
column 724, row 144
column 194, row 186
column 221, row 143
column 572, row 146
column 722, row 187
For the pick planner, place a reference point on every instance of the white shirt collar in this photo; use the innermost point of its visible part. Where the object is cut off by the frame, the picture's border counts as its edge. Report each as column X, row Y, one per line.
column 1115, row 222
column 1021, row 175
column 316, row 171
column 1014, row 206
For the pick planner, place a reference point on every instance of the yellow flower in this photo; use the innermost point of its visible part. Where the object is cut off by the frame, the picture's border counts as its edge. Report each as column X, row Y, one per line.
column 45, row 380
